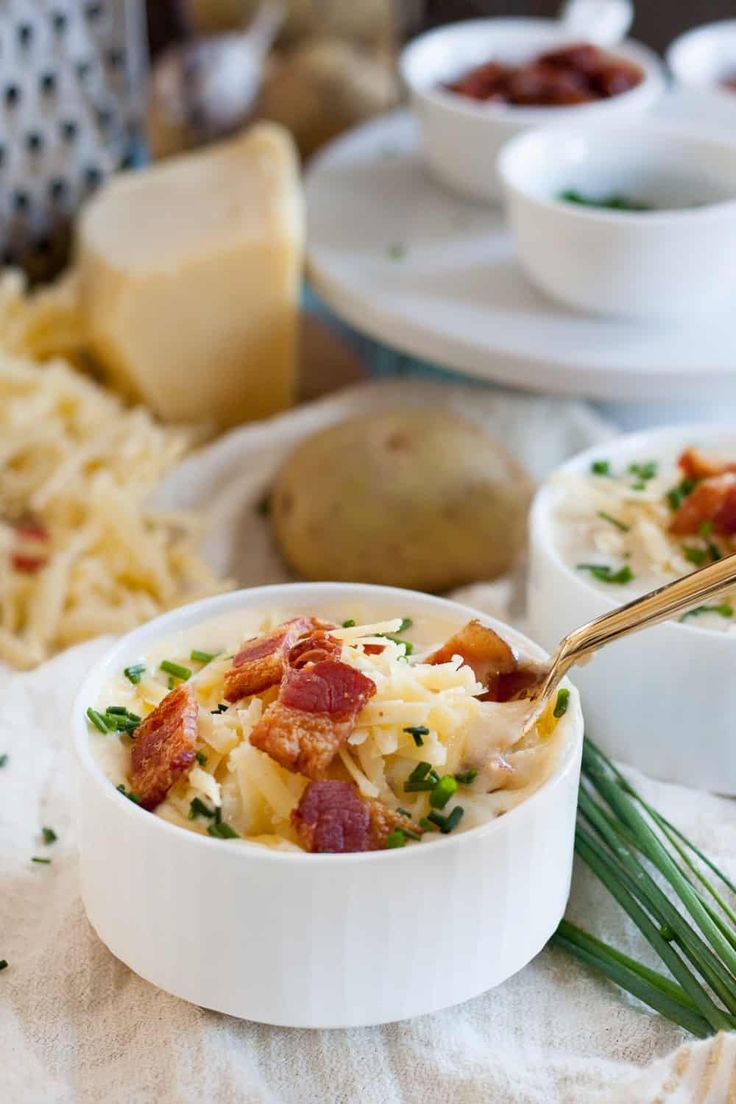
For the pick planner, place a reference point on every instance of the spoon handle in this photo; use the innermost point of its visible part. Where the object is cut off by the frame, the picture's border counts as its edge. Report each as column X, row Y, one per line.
column 690, row 591
column 604, row 22
column 686, row 593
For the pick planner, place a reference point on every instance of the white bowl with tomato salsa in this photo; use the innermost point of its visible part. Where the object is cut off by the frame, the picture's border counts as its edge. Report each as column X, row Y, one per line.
column 285, row 929
column 617, row 521
column 540, row 73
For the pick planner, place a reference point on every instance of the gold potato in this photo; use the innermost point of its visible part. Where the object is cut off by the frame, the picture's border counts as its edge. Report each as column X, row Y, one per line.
column 411, row 498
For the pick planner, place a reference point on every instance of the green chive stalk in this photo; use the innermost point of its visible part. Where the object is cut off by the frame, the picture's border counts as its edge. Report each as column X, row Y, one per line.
column 675, row 895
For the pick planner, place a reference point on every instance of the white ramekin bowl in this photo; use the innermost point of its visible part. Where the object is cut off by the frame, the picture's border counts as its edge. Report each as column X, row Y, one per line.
column 658, row 263
column 664, row 699
column 461, row 138
column 321, row 940
column 698, row 61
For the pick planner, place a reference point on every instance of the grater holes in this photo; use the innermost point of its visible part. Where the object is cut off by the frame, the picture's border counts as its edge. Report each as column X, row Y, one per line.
column 47, row 83
column 69, row 130
column 92, row 177
column 93, row 11
column 21, row 201
column 24, row 32
column 58, row 189
column 59, row 21
column 11, row 95
column 34, row 141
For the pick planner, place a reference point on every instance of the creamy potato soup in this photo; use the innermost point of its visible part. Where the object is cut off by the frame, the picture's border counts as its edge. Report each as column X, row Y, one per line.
column 629, row 527
column 345, row 731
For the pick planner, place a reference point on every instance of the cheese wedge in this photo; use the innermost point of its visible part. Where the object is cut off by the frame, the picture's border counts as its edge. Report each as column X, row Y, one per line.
column 189, row 277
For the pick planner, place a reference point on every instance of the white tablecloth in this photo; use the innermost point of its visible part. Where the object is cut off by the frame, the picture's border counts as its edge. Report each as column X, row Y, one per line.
column 77, row 1027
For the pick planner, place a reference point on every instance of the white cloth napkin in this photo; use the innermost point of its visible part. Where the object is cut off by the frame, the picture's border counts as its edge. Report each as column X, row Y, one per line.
column 77, row 1027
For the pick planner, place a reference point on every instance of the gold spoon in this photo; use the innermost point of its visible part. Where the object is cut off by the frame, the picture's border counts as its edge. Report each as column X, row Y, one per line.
column 692, row 590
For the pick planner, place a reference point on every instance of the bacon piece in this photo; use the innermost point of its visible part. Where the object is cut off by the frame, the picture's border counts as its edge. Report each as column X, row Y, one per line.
column 694, row 465
column 713, row 501
column 332, row 816
column 313, row 717
column 493, row 662
column 314, row 648
column 31, row 543
column 261, row 661
column 164, row 746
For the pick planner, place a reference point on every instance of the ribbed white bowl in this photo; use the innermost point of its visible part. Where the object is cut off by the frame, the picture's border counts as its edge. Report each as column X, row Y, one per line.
column 322, row 940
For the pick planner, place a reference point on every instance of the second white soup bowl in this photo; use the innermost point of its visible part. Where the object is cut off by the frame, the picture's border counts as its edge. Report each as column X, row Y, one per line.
column 669, row 261
column 663, row 699
column 310, row 940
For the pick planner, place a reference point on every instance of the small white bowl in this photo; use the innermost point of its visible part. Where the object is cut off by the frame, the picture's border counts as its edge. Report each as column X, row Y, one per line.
column 698, row 61
column 461, row 138
column 661, row 263
column 305, row 940
column 664, row 699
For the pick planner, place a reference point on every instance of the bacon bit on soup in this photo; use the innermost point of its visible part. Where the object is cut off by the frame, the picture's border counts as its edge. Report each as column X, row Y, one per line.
column 314, row 648
column 261, row 661
column 493, row 662
column 712, row 503
column 164, row 746
column 332, row 817
column 696, row 466
column 314, row 715
column 30, row 550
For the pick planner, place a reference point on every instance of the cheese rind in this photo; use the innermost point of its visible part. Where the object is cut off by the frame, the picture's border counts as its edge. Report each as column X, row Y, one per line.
column 189, row 275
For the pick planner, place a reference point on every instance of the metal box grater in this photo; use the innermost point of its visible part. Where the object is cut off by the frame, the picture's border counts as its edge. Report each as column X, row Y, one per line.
column 72, row 87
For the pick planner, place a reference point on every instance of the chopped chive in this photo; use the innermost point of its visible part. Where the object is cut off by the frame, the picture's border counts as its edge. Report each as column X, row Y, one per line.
column 418, row 787
column 417, row 732
column 3, row 759
column 171, row 682
column 117, row 710
column 676, row 494
column 406, row 623
column 614, row 521
column 49, row 835
column 129, row 794
column 38, row 859
column 442, row 791
column 723, row 610
column 395, row 839
column 605, row 574
column 222, row 708
column 695, row 556
column 705, row 528
column 454, row 818
column 644, row 472
column 202, row 657
column 410, row 835
column 97, row 720
column 438, row 820
column 135, row 672
column 715, row 552
column 201, row 757
column 404, row 812
column 563, row 700
column 466, row 777
column 222, row 831
column 601, row 467
column 175, row 669
column 427, row 824
column 350, row 623
column 420, row 771
column 408, row 646
column 3, row 963
column 197, row 808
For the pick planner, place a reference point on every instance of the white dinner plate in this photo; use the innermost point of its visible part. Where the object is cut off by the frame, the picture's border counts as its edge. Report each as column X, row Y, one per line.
column 411, row 265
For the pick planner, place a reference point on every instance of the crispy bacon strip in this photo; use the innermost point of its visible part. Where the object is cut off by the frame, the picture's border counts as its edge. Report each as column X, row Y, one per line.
column 694, row 465
column 712, row 501
column 332, row 816
column 260, row 663
column 493, row 661
column 164, row 746
column 314, row 648
column 313, row 716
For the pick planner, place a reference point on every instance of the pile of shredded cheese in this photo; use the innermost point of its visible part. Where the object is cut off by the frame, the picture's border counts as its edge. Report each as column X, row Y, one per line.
column 77, row 466
column 257, row 796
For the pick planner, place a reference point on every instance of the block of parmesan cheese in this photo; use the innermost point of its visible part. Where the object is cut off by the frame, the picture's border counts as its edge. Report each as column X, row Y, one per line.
column 189, row 276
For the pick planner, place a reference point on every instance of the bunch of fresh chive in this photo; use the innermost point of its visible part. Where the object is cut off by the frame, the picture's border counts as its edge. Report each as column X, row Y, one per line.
column 676, row 896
